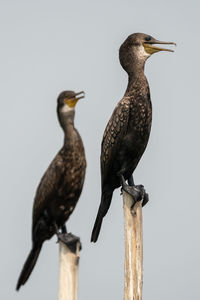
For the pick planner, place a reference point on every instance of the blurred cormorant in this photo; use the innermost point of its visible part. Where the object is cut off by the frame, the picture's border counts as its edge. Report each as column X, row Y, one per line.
column 59, row 188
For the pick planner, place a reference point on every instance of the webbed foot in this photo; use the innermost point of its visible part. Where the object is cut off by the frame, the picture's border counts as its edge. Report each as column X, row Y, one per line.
column 136, row 191
column 70, row 240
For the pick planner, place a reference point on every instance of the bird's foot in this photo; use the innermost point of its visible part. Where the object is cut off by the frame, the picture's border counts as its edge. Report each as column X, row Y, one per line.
column 137, row 192
column 145, row 199
column 70, row 240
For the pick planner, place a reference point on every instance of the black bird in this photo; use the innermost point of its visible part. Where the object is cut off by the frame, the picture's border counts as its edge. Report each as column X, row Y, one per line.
column 59, row 188
column 127, row 132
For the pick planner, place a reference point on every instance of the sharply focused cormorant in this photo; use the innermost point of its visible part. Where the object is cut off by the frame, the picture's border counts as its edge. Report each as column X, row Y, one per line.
column 127, row 132
column 60, row 187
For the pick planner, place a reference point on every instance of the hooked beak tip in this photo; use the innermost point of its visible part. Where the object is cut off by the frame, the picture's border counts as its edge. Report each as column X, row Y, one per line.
column 82, row 93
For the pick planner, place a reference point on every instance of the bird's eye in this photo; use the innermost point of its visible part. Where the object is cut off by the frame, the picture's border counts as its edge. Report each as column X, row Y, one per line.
column 148, row 38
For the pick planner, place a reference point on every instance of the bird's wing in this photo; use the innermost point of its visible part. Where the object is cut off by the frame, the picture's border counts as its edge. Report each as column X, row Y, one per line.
column 48, row 186
column 113, row 135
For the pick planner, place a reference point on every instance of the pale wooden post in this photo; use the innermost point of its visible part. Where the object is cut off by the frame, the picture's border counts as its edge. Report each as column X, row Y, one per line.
column 133, row 249
column 68, row 277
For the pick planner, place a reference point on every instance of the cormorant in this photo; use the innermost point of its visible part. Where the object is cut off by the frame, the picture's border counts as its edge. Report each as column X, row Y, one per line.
column 127, row 132
column 59, row 188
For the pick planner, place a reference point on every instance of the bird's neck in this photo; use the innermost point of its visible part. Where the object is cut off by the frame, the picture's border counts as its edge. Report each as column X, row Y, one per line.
column 136, row 79
column 68, row 135
column 67, row 123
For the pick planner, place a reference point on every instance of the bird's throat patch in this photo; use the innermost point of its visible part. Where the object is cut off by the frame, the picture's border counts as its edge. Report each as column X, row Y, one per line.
column 71, row 102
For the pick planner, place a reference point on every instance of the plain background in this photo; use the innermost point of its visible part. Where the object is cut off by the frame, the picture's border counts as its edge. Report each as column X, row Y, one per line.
column 50, row 46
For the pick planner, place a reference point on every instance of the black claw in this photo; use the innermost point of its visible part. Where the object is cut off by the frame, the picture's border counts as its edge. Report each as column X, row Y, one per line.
column 69, row 240
column 145, row 199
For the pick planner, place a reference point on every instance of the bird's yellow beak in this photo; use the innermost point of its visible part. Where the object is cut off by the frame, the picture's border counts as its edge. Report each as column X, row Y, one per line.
column 150, row 48
column 71, row 102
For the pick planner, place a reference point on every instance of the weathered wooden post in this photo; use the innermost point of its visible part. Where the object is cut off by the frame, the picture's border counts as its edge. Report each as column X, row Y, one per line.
column 133, row 249
column 68, row 273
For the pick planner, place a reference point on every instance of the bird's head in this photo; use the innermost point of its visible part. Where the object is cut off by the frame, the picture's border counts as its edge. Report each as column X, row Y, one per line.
column 67, row 100
column 66, row 103
column 137, row 48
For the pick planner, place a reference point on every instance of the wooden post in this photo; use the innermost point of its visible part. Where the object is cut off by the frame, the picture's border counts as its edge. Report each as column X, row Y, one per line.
column 68, row 277
column 133, row 249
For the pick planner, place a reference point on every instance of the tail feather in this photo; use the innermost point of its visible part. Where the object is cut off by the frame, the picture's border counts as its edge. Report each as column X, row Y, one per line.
column 28, row 265
column 96, row 228
column 103, row 208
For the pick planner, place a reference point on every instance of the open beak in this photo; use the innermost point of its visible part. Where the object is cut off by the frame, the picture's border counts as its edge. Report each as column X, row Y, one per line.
column 71, row 102
column 82, row 95
column 150, row 48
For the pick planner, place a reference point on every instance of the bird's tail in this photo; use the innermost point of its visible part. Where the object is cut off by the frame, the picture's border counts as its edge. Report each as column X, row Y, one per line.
column 103, row 208
column 29, row 265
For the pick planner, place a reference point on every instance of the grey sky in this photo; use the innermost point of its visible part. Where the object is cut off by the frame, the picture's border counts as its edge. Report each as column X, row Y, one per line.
column 50, row 46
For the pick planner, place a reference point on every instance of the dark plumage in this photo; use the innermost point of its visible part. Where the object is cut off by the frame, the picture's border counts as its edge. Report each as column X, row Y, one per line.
column 127, row 132
column 61, row 185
